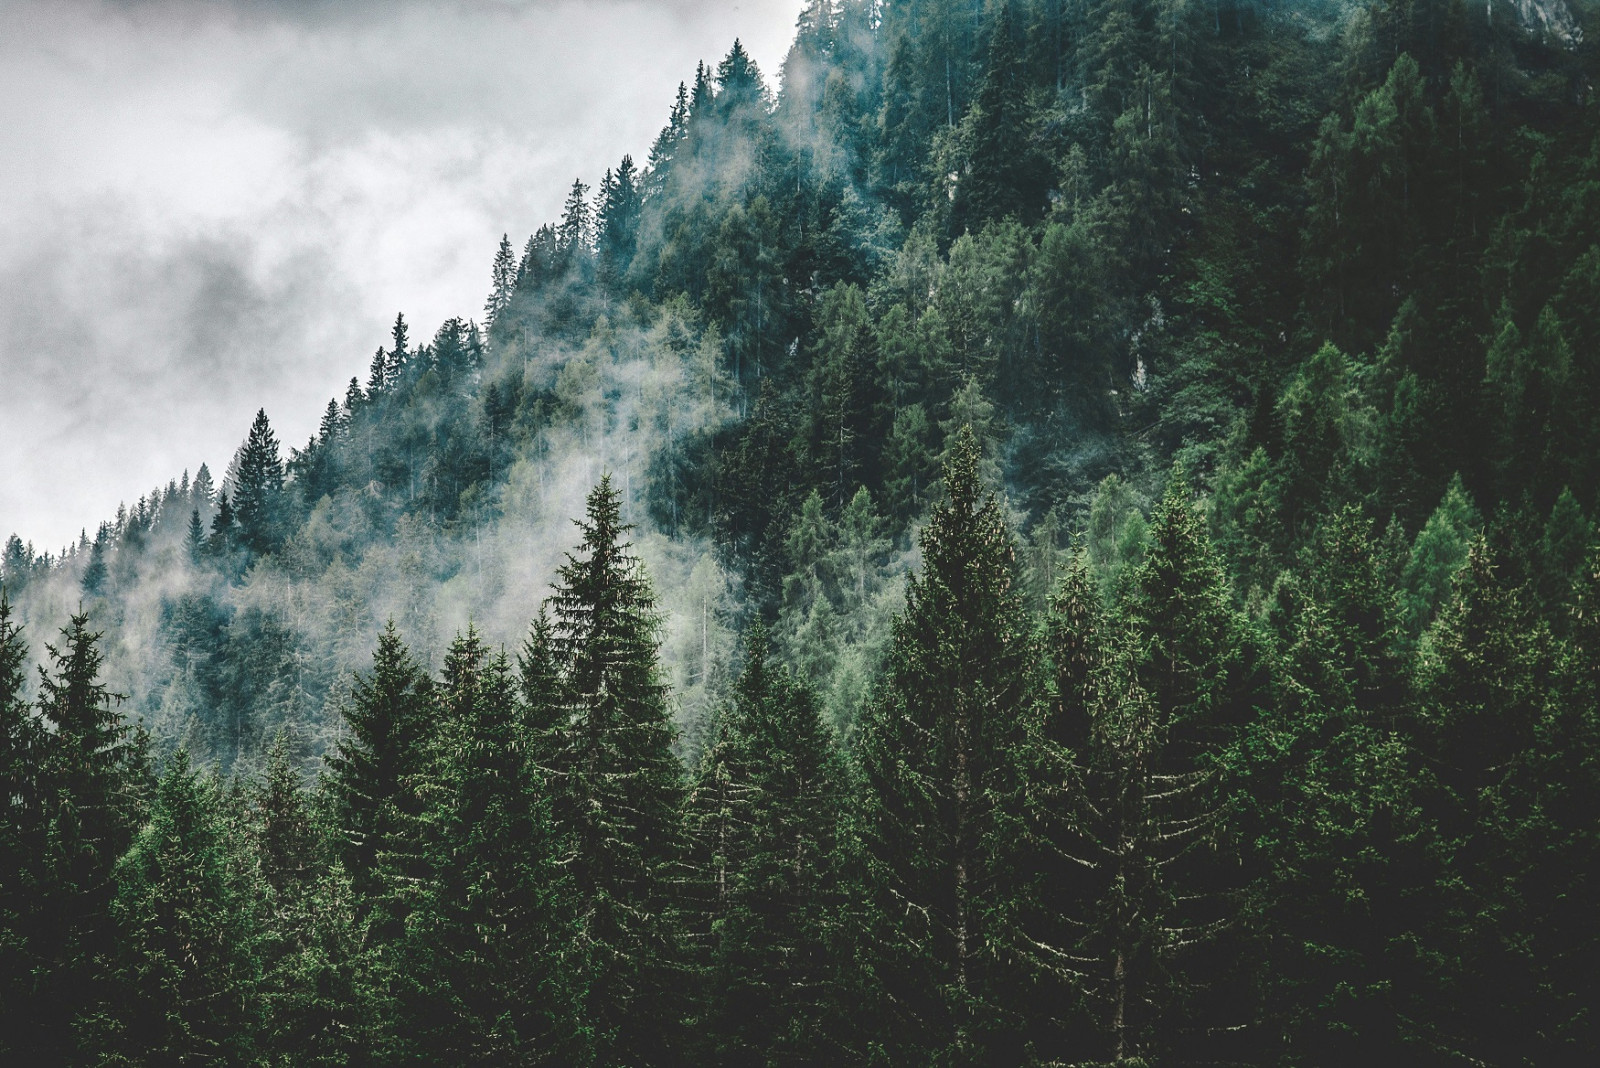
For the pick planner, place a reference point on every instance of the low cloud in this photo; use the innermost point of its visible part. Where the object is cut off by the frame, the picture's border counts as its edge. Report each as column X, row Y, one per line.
column 214, row 207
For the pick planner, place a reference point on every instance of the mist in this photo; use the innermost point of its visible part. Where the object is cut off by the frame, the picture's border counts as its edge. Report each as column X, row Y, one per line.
column 218, row 207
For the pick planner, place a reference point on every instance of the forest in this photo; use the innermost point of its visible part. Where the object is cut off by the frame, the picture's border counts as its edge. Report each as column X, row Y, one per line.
column 1043, row 532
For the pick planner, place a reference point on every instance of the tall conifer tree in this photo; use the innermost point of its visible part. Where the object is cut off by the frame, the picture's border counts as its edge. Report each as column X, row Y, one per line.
column 938, row 752
column 621, row 798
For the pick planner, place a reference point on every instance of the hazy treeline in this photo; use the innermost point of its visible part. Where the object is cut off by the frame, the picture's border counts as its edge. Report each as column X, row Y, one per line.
column 1250, row 721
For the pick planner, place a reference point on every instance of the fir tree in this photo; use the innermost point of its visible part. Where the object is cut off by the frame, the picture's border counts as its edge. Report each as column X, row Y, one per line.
column 938, row 751
column 185, row 968
column 258, row 486
column 374, row 774
column 22, row 840
column 502, row 282
column 763, row 820
column 92, row 770
column 622, row 790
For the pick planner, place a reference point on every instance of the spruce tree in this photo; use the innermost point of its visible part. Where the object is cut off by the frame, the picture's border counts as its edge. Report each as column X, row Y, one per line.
column 185, row 968
column 621, row 794
column 1004, row 177
column 502, row 282
column 22, row 840
column 95, row 573
column 194, row 539
column 1192, row 686
column 258, row 487
column 617, row 223
column 938, row 752
column 375, row 774
column 92, row 770
column 763, row 821
column 489, row 980
column 1483, row 674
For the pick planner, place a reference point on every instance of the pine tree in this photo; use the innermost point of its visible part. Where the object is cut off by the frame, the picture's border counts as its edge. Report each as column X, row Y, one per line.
column 938, row 752
column 22, row 839
column 374, row 774
column 622, row 792
column 194, row 539
column 186, row 973
column 763, row 821
column 92, row 769
column 502, row 282
column 491, row 940
column 258, row 487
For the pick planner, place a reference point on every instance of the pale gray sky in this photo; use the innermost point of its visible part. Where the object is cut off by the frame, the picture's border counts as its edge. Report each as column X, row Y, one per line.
column 211, row 206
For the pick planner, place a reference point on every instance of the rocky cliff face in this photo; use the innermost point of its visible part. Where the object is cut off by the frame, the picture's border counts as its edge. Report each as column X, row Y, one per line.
column 1551, row 19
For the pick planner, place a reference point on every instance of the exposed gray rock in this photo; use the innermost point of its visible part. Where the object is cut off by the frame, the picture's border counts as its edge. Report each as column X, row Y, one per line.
column 1550, row 19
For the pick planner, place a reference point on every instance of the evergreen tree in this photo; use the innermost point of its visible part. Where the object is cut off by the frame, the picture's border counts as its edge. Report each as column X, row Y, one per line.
column 1004, row 177
column 22, row 840
column 617, row 224
column 1483, row 674
column 763, row 820
column 575, row 235
column 92, row 770
column 257, row 488
column 185, row 967
column 194, row 539
column 95, row 573
column 224, row 528
column 203, row 491
column 938, row 752
column 16, row 564
column 622, row 791
column 489, row 979
column 502, row 282
column 374, row 775
column 1166, row 906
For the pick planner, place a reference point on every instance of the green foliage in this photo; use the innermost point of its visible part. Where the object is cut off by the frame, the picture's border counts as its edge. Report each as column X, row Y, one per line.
column 937, row 757
column 620, row 790
column 1296, row 766
column 186, row 971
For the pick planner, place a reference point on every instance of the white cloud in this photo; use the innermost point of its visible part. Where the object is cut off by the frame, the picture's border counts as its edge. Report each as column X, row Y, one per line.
column 214, row 207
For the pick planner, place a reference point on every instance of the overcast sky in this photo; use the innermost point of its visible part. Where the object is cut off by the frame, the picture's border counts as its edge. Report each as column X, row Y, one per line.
column 211, row 206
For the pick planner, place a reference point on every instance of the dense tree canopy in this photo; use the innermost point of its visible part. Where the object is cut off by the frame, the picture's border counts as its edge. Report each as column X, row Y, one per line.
column 1089, row 556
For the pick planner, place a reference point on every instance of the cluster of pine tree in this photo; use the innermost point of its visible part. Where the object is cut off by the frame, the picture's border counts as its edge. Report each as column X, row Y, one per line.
column 1120, row 482
column 1143, row 827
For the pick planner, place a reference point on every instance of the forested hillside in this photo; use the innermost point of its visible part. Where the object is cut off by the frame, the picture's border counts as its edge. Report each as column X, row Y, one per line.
column 1085, row 553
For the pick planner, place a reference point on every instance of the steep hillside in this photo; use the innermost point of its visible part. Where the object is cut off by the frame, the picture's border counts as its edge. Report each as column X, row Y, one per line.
column 1250, row 720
